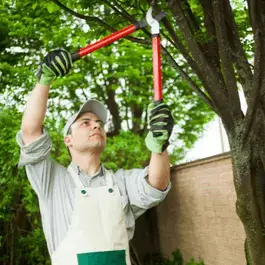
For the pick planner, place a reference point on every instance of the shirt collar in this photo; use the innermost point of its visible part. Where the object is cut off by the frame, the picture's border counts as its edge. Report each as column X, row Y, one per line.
column 79, row 171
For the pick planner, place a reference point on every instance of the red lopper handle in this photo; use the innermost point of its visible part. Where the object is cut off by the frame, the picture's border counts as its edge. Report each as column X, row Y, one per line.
column 157, row 75
column 103, row 42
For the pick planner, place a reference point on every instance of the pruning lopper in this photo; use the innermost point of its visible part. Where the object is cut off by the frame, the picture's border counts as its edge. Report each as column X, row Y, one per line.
column 154, row 24
column 157, row 75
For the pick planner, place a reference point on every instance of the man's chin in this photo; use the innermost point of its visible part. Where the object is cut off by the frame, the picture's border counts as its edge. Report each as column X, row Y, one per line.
column 97, row 146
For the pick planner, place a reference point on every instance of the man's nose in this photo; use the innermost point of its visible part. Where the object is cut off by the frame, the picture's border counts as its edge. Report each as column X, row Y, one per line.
column 96, row 125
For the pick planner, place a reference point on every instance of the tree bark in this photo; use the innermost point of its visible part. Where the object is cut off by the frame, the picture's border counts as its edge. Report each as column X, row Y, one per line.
column 112, row 104
column 248, row 176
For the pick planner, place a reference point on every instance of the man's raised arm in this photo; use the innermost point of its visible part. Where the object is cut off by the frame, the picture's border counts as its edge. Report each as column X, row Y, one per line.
column 56, row 63
column 157, row 140
column 34, row 113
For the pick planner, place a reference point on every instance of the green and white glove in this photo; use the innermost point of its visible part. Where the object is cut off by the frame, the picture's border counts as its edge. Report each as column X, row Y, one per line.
column 161, row 124
column 56, row 63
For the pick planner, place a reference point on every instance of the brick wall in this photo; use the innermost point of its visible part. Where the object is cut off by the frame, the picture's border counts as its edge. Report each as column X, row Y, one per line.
column 198, row 216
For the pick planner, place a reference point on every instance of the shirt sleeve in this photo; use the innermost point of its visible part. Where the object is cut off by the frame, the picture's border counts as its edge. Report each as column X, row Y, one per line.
column 35, row 156
column 142, row 195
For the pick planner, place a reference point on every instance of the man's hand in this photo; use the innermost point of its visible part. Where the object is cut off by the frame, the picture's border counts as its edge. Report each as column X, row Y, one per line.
column 56, row 63
column 161, row 124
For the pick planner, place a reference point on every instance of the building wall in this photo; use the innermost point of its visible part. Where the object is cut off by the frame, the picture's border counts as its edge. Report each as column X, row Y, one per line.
column 199, row 216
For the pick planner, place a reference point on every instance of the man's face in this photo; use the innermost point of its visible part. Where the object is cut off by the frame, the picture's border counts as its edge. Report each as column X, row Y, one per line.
column 87, row 134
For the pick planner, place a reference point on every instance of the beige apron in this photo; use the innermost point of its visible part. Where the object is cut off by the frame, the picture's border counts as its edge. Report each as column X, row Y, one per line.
column 97, row 234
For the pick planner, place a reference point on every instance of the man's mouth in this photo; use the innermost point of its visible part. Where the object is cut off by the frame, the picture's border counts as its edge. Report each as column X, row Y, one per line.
column 96, row 134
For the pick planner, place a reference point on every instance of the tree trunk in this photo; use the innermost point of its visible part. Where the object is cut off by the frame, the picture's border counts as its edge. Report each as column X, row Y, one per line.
column 249, row 177
column 247, row 253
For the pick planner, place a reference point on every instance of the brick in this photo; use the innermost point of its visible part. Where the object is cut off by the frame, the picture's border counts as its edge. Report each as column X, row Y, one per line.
column 198, row 216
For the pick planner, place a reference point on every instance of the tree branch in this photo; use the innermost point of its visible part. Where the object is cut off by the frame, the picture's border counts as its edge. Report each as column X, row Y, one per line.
column 259, row 69
column 211, row 46
column 81, row 16
column 175, row 41
column 189, row 81
column 98, row 21
column 179, row 46
column 252, row 9
column 215, row 85
column 255, row 10
column 226, row 60
column 112, row 103
column 240, row 58
column 121, row 12
column 195, row 88
column 127, row 16
column 190, row 17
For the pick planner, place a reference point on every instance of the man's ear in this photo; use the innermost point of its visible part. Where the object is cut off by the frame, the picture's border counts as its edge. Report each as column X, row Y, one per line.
column 67, row 140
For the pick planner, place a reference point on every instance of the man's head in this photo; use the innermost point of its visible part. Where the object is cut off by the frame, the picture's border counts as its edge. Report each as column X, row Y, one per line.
column 84, row 131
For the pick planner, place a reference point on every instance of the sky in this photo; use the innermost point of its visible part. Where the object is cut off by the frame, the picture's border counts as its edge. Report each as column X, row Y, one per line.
column 214, row 140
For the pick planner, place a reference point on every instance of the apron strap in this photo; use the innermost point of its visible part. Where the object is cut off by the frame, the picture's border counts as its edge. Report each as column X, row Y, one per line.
column 109, row 179
column 75, row 178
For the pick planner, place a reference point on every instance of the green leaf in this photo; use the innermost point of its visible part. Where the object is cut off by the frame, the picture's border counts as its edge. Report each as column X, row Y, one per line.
column 83, row 41
column 51, row 7
column 34, row 6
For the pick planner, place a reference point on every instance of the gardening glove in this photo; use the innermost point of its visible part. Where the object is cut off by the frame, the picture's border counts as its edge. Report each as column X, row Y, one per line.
column 161, row 124
column 56, row 63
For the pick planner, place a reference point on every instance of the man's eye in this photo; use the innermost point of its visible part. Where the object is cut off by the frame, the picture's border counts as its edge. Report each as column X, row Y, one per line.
column 101, row 124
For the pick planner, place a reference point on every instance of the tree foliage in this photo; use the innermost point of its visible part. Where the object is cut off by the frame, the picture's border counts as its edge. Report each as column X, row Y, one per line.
column 21, row 238
column 120, row 75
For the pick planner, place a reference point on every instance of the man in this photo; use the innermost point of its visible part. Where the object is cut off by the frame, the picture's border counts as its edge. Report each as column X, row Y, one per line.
column 88, row 213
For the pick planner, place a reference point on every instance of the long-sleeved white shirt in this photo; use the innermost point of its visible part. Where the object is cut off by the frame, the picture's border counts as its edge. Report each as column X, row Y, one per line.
column 55, row 189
